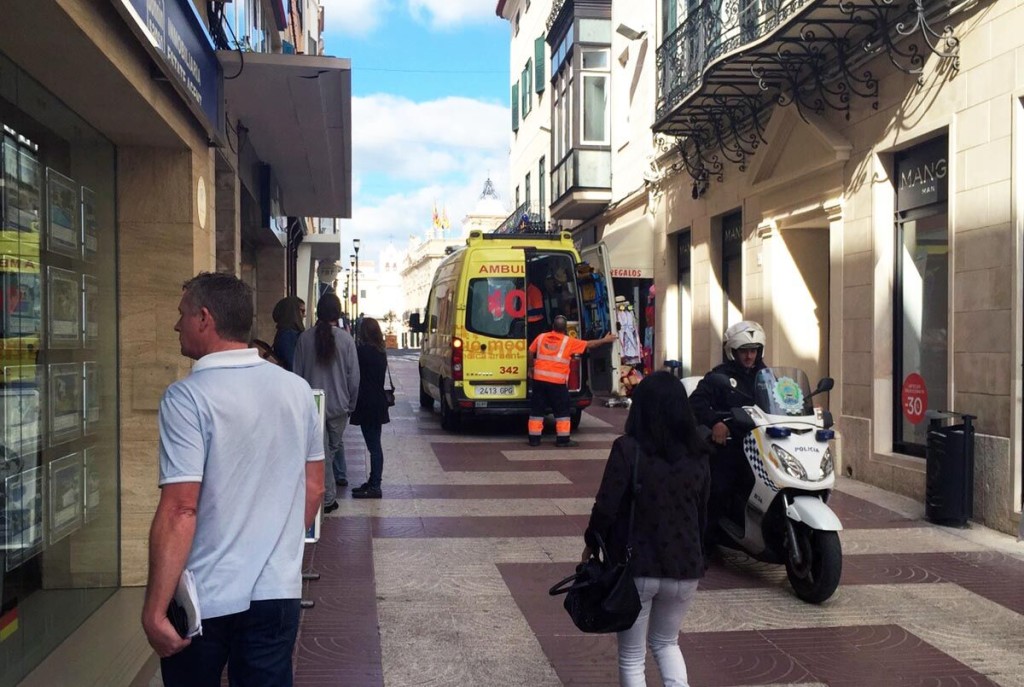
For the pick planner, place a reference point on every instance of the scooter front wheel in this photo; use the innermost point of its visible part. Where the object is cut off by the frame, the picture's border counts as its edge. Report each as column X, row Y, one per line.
column 816, row 577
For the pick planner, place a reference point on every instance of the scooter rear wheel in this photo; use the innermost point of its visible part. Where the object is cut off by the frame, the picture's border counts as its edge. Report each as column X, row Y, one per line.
column 817, row 577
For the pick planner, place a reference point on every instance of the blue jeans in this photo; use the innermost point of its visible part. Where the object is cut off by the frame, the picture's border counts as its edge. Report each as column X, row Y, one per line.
column 334, row 456
column 256, row 645
column 664, row 604
column 371, row 434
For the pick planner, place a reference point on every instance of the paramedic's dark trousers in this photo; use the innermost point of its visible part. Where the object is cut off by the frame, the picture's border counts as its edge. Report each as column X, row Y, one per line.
column 549, row 395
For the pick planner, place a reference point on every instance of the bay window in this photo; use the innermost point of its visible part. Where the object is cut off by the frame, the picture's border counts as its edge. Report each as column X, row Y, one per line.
column 580, row 41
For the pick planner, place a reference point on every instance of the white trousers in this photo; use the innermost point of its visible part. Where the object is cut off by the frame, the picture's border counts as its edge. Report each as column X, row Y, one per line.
column 665, row 602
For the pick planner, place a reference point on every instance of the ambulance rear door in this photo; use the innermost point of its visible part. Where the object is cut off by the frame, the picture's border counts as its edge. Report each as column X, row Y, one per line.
column 494, row 325
column 604, row 360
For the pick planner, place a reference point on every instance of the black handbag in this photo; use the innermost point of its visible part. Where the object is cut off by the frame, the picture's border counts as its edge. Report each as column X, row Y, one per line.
column 601, row 596
column 389, row 390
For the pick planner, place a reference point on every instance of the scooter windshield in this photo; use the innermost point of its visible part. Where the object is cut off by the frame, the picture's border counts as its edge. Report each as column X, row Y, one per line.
column 783, row 391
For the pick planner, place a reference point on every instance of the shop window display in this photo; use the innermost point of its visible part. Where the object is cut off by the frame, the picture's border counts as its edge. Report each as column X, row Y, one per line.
column 58, row 430
column 631, row 362
column 921, row 346
column 634, row 314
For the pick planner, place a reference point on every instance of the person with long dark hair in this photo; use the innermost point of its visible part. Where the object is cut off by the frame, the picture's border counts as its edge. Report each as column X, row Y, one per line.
column 371, row 412
column 289, row 315
column 325, row 356
column 670, row 517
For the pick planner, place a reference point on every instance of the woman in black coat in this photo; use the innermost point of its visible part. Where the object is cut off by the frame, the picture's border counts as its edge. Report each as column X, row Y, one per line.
column 669, row 521
column 289, row 315
column 371, row 412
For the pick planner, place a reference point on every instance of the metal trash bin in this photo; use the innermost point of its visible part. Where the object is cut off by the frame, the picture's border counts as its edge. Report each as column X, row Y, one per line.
column 675, row 367
column 949, row 469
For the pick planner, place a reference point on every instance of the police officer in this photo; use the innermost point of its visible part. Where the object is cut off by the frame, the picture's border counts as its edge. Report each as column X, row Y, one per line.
column 550, row 355
column 744, row 358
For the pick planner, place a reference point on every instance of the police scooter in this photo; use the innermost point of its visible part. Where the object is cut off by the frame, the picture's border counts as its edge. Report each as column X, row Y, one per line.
column 786, row 518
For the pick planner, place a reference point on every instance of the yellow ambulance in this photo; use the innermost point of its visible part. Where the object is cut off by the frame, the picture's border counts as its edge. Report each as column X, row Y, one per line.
column 487, row 301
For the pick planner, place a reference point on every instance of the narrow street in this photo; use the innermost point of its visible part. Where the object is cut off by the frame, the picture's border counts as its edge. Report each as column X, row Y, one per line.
column 444, row 581
column 834, row 188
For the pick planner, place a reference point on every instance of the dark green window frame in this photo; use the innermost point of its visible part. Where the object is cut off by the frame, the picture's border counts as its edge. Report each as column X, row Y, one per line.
column 539, row 48
column 515, row 107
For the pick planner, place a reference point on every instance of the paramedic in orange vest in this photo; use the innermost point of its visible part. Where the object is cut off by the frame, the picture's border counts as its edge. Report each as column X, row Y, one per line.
column 534, row 311
column 550, row 354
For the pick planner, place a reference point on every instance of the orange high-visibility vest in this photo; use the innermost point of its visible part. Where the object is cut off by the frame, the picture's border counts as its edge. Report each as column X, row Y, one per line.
column 534, row 304
column 554, row 351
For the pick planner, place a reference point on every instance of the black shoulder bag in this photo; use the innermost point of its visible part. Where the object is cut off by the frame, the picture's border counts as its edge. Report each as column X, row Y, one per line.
column 389, row 390
column 601, row 596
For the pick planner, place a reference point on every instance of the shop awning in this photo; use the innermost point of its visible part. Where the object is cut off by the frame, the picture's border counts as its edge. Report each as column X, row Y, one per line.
column 630, row 244
column 297, row 111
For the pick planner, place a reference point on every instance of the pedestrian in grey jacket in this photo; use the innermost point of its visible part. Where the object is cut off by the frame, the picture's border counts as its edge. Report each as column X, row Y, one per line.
column 326, row 357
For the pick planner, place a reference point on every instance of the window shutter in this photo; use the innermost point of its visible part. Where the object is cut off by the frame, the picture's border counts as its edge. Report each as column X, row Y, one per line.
column 538, row 64
column 527, row 91
column 515, row 107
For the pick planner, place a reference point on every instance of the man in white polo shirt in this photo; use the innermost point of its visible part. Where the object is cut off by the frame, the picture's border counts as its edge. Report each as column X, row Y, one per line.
column 241, row 477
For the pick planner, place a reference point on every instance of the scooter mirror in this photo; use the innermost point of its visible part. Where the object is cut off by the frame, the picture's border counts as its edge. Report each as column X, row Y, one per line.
column 825, row 384
column 741, row 420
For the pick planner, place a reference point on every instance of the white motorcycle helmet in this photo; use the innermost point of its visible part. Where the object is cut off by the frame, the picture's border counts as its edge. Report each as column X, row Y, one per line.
column 746, row 334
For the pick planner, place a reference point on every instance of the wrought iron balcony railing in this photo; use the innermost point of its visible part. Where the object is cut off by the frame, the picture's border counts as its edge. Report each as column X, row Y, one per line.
column 728, row 64
column 804, row 31
column 525, row 219
column 713, row 29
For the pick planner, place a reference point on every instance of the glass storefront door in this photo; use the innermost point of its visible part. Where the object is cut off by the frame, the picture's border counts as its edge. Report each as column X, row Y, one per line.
column 59, row 522
column 732, row 268
column 921, row 307
column 684, row 282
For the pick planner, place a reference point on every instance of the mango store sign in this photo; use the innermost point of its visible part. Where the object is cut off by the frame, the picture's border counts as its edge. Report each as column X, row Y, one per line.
column 922, row 175
column 185, row 50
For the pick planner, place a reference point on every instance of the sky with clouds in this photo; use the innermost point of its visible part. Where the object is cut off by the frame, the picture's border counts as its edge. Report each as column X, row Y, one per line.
column 430, row 116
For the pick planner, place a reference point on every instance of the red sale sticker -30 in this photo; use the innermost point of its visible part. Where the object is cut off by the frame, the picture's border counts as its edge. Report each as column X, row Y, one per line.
column 914, row 398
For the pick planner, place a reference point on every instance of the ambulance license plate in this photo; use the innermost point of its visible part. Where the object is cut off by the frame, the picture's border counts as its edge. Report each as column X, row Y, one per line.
column 494, row 390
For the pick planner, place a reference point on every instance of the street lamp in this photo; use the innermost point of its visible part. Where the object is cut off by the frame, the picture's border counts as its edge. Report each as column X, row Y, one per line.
column 355, row 245
column 352, row 277
column 348, row 282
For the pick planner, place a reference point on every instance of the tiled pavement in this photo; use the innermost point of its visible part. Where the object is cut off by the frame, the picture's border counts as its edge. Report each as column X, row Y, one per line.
column 475, row 527
column 444, row 581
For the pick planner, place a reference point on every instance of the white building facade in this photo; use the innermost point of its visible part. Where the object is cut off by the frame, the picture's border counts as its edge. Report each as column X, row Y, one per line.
column 421, row 261
column 380, row 286
column 423, row 255
column 861, row 200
